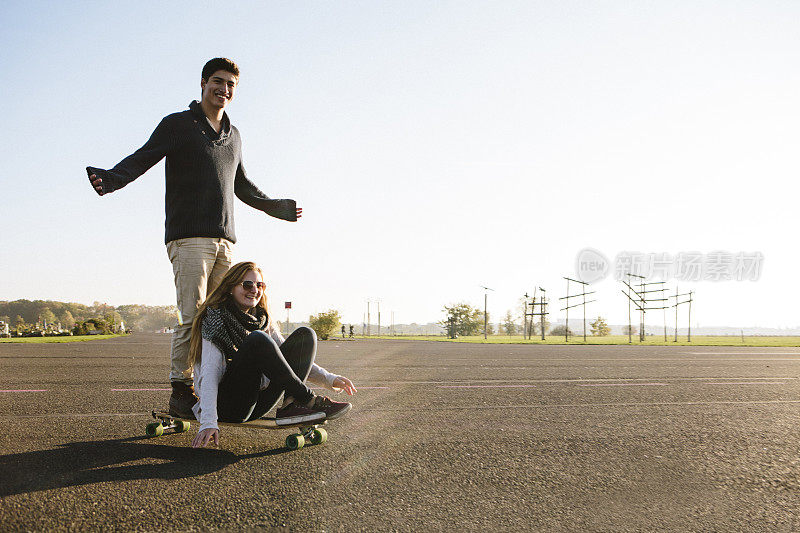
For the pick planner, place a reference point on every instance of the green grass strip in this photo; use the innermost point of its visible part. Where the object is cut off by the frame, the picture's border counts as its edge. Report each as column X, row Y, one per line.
column 650, row 340
column 41, row 340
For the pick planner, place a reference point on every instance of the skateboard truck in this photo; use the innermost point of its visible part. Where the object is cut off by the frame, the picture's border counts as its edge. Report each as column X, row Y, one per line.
column 308, row 432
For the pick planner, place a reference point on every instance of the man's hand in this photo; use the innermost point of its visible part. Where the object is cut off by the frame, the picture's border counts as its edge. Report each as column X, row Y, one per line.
column 97, row 183
column 341, row 383
column 284, row 209
column 206, row 437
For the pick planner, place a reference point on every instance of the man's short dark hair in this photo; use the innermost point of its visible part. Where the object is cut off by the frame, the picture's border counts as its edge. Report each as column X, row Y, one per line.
column 220, row 63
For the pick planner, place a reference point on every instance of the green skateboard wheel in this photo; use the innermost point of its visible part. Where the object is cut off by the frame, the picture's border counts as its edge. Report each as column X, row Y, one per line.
column 319, row 436
column 155, row 429
column 181, row 426
column 295, row 441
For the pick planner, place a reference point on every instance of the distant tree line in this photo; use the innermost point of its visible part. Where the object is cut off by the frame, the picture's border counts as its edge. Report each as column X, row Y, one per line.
column 26, row 316
column 461, row 319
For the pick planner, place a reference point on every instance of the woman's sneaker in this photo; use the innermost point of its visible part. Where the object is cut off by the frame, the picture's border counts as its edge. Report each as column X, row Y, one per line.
column 329, row 407
column 297, row 414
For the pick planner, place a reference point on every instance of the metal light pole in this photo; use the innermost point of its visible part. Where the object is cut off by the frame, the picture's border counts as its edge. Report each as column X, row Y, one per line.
column 525, row 317
column 485, row 313
column 566, row 330
column 630, row 326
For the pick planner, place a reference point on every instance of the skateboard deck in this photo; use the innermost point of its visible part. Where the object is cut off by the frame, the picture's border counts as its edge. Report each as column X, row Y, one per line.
column 307, row 432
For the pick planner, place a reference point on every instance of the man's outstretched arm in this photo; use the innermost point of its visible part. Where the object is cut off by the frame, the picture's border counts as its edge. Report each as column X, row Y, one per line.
column 136, row 164
column 247, row 192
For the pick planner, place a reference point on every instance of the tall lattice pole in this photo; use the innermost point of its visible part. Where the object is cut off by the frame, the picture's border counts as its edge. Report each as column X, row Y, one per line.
column 583, row 303
column 641, row 302
column 679, row 303
column 676, row 313
column 584, row 316
column 644, row 291
column 542, row 305
column 630, row 326
column 543, row 310
column 566, row 329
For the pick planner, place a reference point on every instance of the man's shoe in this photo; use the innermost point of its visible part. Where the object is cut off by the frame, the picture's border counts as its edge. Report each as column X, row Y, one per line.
column 331, row 409
column 296, row 414
column 182, row 400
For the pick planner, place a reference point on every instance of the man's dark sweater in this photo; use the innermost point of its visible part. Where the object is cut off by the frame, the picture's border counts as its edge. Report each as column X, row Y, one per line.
column 204, row 170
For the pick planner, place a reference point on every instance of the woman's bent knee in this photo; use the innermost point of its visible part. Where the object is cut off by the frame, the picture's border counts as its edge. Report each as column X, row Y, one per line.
column 307, row 332
column 259, row 337
column 260, row 340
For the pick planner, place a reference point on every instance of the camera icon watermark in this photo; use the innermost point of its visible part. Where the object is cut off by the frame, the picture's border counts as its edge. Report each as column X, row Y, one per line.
column 592, row 266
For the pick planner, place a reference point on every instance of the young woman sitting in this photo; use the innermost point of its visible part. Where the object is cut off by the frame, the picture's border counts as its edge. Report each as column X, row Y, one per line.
column 242, row 364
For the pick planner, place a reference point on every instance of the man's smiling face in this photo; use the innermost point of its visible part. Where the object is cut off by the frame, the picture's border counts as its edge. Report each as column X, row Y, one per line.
column 218, row 89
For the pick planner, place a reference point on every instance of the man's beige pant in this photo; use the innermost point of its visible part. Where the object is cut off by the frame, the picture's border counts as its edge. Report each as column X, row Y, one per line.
column 199, row 264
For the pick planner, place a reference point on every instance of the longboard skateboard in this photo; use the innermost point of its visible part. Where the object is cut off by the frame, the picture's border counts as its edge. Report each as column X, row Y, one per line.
column 308, row 432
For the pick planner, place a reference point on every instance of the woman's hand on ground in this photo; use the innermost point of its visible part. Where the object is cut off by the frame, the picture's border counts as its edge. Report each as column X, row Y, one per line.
column 206, row 437
column 341, row 383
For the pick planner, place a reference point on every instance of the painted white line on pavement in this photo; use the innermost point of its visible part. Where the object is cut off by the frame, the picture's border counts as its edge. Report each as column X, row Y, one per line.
column 429, row 408
column 567, row 405
column 129, row 390
column 358, row 388
column 741, row 353
column 77, row 415
column 498, row 382
column 740, row 377
column 524, row 384
column 485, row 386
column 624, row 385
column 745, row 383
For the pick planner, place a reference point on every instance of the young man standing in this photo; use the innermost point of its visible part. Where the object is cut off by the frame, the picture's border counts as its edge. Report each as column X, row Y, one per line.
column 204, row 171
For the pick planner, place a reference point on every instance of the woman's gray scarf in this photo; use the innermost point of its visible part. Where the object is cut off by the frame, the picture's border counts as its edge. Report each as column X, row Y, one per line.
column 227, row 326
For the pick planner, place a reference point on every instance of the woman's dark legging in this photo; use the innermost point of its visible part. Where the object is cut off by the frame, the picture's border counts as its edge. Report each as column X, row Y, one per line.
column 240, row 399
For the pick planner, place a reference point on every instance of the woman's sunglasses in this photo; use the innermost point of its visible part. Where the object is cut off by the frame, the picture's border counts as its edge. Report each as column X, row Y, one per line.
column 252, row 285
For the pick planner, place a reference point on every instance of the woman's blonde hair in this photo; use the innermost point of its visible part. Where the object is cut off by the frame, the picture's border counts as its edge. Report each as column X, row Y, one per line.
column 217, row 298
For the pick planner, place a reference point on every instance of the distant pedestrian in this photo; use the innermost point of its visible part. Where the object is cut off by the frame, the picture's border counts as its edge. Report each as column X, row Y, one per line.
column 351, row 331
column 343, row 331
column 204, row 171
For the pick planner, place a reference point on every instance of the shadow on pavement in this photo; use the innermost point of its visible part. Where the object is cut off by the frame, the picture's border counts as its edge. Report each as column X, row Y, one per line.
column 84, row 463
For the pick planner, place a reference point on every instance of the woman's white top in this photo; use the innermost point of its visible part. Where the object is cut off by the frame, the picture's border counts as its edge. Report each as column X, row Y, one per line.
column 208, row 373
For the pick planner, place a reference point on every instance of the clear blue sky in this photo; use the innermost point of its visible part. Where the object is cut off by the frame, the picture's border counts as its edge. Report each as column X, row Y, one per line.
column 434, row 146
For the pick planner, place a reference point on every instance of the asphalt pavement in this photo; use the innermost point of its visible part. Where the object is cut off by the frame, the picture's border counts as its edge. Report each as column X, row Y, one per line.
column 441, row 436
